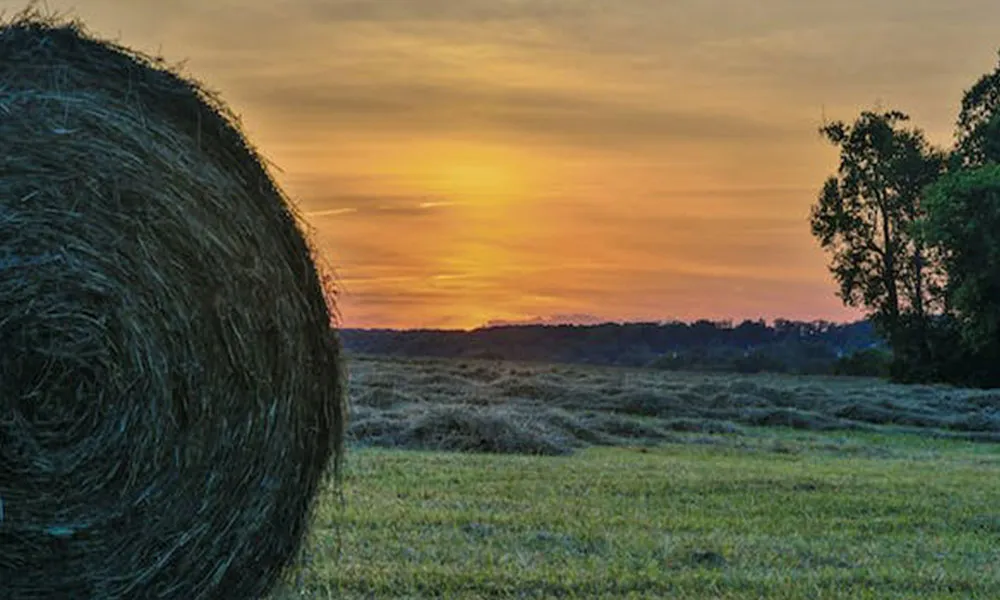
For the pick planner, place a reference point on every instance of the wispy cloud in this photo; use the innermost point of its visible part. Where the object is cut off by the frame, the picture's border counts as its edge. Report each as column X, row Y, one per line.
column 374, row 206
column 331, row 212
column 560, row 117
column 446, row 11
column 477, row 160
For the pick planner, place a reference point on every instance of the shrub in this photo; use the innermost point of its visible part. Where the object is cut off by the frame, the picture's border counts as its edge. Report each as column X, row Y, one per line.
column 870, row 362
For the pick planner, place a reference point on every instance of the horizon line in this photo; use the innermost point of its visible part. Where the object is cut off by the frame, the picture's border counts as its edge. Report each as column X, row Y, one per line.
column 530, row 323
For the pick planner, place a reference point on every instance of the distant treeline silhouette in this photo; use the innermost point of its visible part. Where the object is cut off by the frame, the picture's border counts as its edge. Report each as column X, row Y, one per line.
column 816, row 347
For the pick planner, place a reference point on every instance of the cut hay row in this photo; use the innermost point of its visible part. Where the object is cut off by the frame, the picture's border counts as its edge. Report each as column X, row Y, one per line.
column 554, row 409
column 170, row 388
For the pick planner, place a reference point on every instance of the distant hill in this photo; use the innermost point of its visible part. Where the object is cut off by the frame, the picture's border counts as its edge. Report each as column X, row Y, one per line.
column 750, row 346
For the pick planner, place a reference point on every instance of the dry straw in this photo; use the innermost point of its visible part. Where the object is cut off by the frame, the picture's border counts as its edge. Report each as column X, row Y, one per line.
column 170, row 387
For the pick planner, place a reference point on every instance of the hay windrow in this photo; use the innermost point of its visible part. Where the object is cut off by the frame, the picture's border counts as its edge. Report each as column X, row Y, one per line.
column 580, row 406
column 462, row 428
column 475, row 429
column 170, row 388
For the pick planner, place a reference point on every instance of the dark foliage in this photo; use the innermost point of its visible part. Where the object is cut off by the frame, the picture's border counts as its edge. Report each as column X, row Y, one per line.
column 978, row 124
column 915, row 239
column 865, row 218
column 961, row 225
column 750, row 347
column 870, row 362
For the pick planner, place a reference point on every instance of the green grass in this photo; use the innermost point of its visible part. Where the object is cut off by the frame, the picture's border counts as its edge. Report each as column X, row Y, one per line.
column 781, row 514
column 656, row 485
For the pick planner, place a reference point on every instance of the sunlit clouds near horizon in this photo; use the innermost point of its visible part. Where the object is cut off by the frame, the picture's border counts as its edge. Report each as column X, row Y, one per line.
column 461, row 163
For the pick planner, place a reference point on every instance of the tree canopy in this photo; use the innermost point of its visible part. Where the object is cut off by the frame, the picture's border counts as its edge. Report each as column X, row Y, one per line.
column 914, row 236
column 865, row 214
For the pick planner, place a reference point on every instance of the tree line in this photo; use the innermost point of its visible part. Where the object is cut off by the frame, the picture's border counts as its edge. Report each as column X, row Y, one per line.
column 752, row 346
column 913, row 234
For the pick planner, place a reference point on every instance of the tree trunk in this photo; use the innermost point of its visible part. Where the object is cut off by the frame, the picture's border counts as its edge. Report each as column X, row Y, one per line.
column 889, row 272
column 918, row 305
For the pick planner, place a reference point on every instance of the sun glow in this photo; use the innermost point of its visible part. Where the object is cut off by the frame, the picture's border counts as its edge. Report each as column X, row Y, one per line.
column 473, row 173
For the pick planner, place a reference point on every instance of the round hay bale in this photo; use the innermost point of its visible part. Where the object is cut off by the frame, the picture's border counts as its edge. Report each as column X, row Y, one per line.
column 170, row 385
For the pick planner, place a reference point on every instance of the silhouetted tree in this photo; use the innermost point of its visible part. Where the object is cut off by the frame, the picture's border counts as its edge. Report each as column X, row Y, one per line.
column 961, row 223
column 864, row 218
column 963, row 220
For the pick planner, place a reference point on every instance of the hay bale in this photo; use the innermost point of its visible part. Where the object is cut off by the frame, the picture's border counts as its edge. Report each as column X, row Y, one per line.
column 170, row 387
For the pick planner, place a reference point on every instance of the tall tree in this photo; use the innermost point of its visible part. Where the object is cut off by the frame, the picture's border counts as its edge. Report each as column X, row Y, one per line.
column 961, row 224
column 864, row 218
column 963, row 220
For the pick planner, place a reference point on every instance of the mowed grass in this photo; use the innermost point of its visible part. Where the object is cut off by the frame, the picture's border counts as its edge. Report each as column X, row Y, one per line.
column 793, row 520
column 751, row 512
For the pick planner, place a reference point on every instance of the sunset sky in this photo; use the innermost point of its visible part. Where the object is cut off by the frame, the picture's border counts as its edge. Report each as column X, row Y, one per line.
column 471, row 161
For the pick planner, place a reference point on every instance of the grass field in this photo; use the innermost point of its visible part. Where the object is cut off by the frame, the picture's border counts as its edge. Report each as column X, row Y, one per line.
column 611, row 483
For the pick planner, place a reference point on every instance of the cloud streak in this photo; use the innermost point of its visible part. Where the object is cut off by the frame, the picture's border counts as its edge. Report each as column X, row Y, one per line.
column 332, row 212
column 558, row 117
column 477, row 160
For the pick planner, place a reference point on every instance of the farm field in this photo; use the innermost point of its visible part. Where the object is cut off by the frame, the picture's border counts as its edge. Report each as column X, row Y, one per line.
column 498, row 480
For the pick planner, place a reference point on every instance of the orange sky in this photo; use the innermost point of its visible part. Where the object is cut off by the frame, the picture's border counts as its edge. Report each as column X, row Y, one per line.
column 470, row 161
